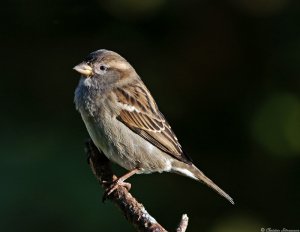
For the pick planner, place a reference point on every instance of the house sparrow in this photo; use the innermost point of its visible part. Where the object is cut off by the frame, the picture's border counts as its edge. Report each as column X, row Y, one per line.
column 125, row 123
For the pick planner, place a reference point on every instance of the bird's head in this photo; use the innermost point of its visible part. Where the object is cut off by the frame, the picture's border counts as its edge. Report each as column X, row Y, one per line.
column 105, row 66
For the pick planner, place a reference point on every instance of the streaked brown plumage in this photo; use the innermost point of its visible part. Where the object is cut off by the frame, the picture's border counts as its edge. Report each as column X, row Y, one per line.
column 125, row 123
column 147, row 121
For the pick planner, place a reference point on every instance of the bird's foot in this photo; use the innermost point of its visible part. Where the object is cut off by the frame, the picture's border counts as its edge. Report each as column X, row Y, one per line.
column 113, row 186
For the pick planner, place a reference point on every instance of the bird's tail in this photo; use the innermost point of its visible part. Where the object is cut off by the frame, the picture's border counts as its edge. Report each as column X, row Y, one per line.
column 193, row 172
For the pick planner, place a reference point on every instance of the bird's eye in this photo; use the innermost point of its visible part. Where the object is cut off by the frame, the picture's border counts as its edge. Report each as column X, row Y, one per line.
column 103, row 68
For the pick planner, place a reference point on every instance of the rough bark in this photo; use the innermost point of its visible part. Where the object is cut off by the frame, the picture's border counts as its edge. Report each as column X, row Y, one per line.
column 134, row 212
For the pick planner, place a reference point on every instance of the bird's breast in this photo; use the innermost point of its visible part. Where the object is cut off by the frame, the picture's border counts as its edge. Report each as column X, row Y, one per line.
column 119, row 143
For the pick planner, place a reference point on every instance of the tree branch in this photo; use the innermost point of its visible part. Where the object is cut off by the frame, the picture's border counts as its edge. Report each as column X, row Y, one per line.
column 134, row 212
column 183, row 223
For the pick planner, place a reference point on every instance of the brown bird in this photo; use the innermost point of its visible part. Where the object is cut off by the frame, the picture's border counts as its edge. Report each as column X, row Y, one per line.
column 125, row 123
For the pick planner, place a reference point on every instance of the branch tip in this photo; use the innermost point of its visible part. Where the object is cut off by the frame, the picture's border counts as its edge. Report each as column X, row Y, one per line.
column 134, row 212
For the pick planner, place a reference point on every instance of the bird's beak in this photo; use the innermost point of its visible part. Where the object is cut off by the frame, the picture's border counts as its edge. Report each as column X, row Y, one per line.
column 84, row 69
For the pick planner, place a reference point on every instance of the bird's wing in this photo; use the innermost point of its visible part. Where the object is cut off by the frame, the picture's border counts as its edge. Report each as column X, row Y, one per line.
column 140, row 113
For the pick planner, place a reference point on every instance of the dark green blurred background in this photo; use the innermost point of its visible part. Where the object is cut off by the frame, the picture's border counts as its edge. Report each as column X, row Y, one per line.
column 224, row 73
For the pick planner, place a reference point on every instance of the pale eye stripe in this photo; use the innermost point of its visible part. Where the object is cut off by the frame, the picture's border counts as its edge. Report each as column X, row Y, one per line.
column 119, row 64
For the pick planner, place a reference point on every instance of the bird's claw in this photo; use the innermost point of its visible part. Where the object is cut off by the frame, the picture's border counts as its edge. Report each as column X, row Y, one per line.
column 113, row 186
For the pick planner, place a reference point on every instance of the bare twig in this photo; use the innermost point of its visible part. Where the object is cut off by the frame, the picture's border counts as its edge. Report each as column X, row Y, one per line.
column 134, row 212
column 183, row 223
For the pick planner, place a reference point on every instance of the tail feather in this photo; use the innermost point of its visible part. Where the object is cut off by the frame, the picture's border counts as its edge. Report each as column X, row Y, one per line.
column 193, row 172
column 204, row 179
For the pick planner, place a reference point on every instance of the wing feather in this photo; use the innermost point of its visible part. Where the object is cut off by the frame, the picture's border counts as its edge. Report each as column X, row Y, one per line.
column 145, row 119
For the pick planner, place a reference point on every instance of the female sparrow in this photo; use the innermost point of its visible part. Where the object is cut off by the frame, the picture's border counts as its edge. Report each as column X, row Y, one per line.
column 125, row 123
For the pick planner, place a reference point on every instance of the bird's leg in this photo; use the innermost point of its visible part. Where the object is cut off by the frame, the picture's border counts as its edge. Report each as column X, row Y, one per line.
column 120, row 182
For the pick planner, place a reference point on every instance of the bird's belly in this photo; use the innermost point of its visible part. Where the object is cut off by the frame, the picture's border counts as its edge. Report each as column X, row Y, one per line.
column 126, row 148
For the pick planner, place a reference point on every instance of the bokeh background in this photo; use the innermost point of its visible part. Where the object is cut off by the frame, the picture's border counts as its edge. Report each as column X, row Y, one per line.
column 224, row 73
